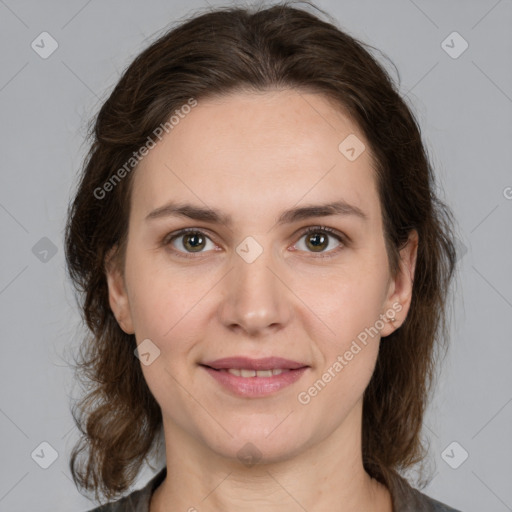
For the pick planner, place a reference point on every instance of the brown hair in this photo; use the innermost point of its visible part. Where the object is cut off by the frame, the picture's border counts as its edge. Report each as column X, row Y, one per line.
column 215, row 53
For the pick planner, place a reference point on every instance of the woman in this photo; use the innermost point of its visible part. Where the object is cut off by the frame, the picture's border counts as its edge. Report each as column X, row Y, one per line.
column 264, row 267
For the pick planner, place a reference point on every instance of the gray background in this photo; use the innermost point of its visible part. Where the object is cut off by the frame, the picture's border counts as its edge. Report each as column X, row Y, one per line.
column 464, row 106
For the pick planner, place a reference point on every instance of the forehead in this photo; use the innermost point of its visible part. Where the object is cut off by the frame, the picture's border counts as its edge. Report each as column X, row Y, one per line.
column 257, row 152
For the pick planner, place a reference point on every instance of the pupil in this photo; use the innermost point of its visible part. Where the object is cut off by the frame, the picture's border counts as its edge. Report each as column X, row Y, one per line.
column 194, row 245
column 317, row 237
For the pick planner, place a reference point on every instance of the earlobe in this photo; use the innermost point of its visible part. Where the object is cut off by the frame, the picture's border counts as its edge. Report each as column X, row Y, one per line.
column 399, row 300
column 117, row 296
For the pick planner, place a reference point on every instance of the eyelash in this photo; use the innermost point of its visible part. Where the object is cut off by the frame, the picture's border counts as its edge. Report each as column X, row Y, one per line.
column 312, row 229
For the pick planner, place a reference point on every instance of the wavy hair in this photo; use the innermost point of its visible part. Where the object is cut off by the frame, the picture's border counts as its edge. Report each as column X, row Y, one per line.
column 214, row 53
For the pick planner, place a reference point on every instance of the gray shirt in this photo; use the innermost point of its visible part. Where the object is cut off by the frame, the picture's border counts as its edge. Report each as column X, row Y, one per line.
column 405, row 498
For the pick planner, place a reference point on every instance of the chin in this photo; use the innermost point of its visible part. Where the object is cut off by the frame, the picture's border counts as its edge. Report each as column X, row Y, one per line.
column 264, row 445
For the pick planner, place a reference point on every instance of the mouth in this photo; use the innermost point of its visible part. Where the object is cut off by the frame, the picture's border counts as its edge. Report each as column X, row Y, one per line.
column 247, row 377
column 243, row 363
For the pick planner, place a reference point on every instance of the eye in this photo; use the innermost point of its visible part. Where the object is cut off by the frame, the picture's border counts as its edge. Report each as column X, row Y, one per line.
column 317, row 239
column 192, row 241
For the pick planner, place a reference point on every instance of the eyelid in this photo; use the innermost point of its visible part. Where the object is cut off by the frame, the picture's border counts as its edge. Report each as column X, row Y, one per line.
column 340, row 236
column 331, row 231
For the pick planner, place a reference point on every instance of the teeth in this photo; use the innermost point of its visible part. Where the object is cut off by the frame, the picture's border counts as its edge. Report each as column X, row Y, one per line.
column 255, row 373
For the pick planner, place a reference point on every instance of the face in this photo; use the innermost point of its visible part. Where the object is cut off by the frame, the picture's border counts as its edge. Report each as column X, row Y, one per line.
column 252, row 283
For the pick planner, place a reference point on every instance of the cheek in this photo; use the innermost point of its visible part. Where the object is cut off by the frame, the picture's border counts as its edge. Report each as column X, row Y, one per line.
column 163, row 300
column 350, row 305
column 347, row 358
column 352, row 350
column 348, row 302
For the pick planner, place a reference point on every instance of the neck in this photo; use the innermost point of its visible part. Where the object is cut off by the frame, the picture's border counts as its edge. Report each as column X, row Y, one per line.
column 328, row 475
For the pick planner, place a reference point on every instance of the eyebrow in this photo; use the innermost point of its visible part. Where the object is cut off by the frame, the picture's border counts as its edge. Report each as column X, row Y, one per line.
column 173, row 209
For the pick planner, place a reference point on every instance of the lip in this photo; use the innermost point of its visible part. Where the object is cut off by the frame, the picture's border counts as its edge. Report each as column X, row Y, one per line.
column 265, row 363
column 254, row 387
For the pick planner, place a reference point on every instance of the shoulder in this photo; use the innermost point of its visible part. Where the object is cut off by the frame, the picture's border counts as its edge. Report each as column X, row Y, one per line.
column 435, row 506
column 137, row 501
column 407, row 499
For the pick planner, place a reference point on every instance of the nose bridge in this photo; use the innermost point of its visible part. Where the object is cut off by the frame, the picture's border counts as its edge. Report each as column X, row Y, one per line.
column 255, row 297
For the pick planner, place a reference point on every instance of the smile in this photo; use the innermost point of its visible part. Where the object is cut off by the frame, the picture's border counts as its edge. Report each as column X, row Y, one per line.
column 248, row 383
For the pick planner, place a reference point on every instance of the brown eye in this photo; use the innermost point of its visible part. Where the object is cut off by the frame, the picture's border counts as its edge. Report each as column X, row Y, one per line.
column 318, row 239
column 192, row 241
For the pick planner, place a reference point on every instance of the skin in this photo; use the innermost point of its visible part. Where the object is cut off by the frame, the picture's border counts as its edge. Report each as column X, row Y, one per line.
column 253, row 156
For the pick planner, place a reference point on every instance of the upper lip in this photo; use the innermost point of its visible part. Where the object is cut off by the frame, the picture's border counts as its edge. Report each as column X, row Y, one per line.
column 265, row 363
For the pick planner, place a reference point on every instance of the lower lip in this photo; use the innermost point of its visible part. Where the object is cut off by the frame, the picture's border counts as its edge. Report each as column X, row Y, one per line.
column 255, row 386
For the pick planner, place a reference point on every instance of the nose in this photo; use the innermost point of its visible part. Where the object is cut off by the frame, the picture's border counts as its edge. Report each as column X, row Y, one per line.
column 256, row 299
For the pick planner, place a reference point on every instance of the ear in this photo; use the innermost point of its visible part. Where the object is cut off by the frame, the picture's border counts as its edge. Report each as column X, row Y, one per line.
column 399, row 296
column 117, row 295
